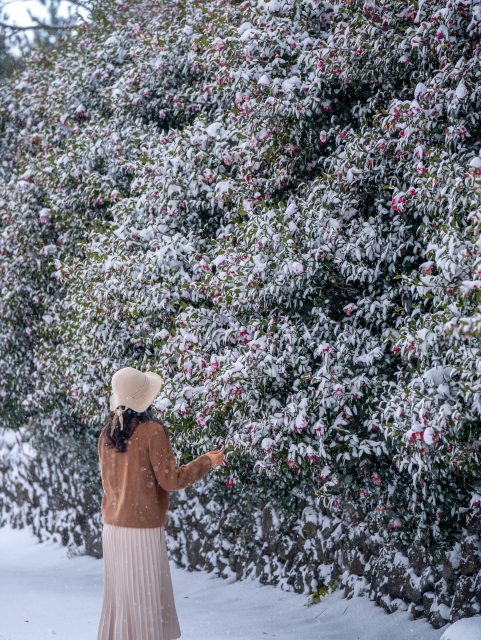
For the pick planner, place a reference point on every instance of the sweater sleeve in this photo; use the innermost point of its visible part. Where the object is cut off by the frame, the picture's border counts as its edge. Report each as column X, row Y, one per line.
column 170, row 476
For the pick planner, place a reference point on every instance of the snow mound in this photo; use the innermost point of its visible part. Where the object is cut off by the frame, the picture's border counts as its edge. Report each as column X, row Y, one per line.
column 466, row 629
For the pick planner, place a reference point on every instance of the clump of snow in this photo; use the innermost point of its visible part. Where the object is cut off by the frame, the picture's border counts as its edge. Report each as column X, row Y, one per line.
column 465, row 629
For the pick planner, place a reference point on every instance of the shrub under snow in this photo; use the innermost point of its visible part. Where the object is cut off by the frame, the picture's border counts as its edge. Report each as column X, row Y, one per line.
column 276, row 206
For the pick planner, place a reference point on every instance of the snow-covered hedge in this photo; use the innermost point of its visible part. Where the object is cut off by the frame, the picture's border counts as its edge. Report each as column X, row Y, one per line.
column 51, row 490
column 276, row 206
column 317, row 551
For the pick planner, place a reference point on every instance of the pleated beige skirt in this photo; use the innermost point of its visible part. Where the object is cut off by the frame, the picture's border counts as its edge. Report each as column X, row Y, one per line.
column 138, row 596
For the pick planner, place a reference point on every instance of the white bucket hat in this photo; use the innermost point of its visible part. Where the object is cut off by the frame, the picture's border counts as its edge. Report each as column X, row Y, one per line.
column 134, row 390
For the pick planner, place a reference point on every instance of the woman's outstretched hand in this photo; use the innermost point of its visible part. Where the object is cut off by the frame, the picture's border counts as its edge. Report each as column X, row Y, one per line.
column 216, row 457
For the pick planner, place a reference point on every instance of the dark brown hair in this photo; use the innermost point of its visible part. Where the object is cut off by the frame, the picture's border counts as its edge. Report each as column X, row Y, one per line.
column 119, row 438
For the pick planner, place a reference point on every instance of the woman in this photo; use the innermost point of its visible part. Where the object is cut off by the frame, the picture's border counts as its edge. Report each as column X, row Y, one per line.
column 138, row 471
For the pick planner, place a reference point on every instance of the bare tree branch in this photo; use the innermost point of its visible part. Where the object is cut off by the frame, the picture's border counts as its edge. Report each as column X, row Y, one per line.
column 40, row 25
column 80, row 4
column 67, row 25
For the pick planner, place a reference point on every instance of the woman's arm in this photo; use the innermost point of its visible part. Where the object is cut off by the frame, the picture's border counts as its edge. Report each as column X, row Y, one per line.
column 170, row 476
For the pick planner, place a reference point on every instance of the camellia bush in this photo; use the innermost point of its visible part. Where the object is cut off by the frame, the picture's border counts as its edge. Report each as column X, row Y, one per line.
column 275, row 206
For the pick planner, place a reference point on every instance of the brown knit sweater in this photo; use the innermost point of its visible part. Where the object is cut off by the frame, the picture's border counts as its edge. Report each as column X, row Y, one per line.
column 137, row 483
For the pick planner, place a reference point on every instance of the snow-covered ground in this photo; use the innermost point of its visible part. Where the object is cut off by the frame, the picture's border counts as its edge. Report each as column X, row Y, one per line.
column 43, row 593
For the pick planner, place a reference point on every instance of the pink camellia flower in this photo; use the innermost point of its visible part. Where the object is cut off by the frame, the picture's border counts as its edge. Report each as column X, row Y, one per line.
column 365, row 463
column 362, row 494
column 338, row 390
column 349, row 308
column 396, row 523
column 399, row 204
column 218, row 45
column 136, row 28
column 322, row 137
column 380, row 508
column 334, row 480
column 376, row 479
column 421, row 168
column 208, row 175
column 229, row 482
column 298, row 268
column 417, row 435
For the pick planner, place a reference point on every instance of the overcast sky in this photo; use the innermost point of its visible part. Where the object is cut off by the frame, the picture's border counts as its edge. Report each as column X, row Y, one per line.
column 18, row 11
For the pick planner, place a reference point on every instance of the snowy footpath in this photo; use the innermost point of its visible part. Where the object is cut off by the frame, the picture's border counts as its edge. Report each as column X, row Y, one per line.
column 44, row 593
